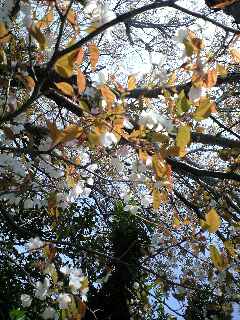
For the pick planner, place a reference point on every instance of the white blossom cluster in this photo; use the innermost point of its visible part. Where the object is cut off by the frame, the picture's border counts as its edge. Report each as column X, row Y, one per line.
column 153, row 120
column 99, row 14
column 43, row 290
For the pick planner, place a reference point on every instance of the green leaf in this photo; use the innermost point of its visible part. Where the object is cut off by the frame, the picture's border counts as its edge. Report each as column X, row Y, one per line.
column 182, row 103
column 17, row 314
column 83, row 105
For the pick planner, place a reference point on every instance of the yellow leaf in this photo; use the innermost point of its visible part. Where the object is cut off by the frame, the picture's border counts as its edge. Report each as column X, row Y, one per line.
column 4, row 34
column 81, row 81
column 186, row 221
column 143, row 155
column 45, row 21
column 64, row 65
column 107, row 94
column 230, row 248
column 221, row 70
column 157, row 198
column 204, row 109
column 176, row 223
column 36, row 33
column 65, row 87
column 183, row 138
column 159, row 166
column 213, row 221
column 218, row 260
column 172, row 79
column 131, row 82
column 94, row 137
column 94, row 55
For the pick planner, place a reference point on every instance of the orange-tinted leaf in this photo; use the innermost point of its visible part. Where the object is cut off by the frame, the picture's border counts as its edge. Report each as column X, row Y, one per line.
column 211, row 78
column 81, row 81
column 72, row 17
column 39, row 36
column 4, row 34
column 45, row 21
column 62, row 136
column 221, row 4
column 94, row 55
column 170, row 177
column 70, row 133
column 82, row 309
column 107, row 94
column 80, row 56
column 29, row 82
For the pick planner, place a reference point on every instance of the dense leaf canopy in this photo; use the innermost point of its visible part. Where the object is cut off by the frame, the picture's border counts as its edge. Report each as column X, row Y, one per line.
column 119, row 159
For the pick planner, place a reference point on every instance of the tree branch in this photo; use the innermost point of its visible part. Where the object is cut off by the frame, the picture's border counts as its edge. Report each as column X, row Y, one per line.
column 181, row 167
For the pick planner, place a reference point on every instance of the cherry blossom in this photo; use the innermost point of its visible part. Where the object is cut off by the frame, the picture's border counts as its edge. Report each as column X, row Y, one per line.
column 26, row 300
column 49, row 313
column 41, row 289
column 63, row 300
column 107, row 139
column 34, row 243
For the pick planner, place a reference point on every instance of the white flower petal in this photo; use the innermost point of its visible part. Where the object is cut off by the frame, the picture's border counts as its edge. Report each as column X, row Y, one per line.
column 26, row 300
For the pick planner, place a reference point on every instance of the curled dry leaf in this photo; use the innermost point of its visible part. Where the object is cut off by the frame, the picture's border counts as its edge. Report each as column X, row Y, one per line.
column 81, row 81
column 94, row 55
